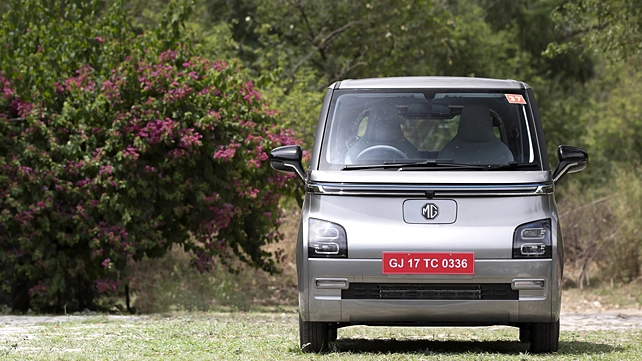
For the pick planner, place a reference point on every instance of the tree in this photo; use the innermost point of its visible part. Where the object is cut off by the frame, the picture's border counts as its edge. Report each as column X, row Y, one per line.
column 611, row 27
column 117, row 146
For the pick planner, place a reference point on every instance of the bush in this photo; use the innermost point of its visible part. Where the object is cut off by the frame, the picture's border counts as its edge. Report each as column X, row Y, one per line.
column 624, row 259
column 589, row 227
column 603, row 232
column 116, row 147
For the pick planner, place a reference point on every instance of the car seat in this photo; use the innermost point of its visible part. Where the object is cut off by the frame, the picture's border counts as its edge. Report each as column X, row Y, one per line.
column 383, row 132
column 475, row 142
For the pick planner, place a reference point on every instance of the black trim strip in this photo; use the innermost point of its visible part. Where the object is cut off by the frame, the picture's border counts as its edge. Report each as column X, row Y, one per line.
column 430, row 291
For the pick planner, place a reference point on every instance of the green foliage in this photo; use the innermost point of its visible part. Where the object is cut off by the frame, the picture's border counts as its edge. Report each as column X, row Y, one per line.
column 534, row 29
column 624, row 257
column 117, row 146
column 614, row 123
column 357, row 39
column 612, row 28
column 297, row 102
column 606, row 124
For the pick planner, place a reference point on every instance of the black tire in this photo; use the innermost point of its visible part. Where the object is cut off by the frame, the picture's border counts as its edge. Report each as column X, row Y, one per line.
column 313, row 336
column 332, row 334
column 525, row 333
column 545, row 337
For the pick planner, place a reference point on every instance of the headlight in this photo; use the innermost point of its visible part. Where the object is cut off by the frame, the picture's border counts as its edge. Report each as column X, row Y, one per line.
column 533, row 240
column 326, row 239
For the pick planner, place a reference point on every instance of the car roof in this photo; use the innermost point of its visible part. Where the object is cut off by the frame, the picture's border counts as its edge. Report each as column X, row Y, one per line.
column 420, row 82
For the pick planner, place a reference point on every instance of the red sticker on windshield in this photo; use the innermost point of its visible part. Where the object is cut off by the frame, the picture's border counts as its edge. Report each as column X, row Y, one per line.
column 515, row 99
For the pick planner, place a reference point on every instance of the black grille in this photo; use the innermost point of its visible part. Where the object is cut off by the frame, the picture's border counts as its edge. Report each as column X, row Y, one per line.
column 430, row 291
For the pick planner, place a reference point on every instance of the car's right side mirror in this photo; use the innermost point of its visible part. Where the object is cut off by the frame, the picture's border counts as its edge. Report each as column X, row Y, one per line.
column 571, row 160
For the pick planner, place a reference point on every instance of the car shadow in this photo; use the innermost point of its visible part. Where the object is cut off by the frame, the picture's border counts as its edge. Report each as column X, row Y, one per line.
column 360, row 345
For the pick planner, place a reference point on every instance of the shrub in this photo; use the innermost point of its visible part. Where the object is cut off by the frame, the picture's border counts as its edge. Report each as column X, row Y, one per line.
column 602, row 233
column 589, row 227
column 116, row 146
column 624, row 259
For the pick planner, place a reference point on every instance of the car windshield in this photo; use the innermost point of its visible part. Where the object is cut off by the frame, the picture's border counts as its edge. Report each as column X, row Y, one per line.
column 432, row 127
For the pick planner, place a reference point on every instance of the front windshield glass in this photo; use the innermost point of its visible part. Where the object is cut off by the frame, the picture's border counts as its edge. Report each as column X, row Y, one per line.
column 468, row 127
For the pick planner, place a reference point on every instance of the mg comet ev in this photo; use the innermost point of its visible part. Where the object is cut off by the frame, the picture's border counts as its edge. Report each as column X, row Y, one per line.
column 429, row 201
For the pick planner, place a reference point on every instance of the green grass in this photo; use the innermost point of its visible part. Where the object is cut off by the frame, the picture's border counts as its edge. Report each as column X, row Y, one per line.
column 274, row 336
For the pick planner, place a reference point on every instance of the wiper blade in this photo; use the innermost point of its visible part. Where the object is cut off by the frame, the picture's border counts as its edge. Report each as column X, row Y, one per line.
column 369, row 166
column 513, row 165
column 430, row 164
column 426, row 164
column 437, row 165
column 440, row 164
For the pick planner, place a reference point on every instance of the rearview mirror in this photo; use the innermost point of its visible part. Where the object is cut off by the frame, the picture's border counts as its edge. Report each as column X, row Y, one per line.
column 571, row 160
column 438, row 110
column 426, row 110
column 288, row 159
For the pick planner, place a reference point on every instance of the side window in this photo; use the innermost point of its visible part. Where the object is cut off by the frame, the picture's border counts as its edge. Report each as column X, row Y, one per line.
column 498, row 133
column 363, row 125
column 447, row 131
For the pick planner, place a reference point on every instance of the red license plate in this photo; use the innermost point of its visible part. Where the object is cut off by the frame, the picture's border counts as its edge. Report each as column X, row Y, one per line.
column 440, row 263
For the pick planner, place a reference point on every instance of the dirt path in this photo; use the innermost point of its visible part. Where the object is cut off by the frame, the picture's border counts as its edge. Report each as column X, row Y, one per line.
column 601, row 321
column 609, row 320
column 23, row 324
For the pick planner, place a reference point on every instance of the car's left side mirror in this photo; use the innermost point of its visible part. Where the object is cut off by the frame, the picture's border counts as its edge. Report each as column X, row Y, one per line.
column 571, row 160
column 288, row 159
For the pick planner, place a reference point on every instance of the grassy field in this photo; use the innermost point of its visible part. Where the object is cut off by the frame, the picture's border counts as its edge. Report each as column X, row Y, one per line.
column 274, row 336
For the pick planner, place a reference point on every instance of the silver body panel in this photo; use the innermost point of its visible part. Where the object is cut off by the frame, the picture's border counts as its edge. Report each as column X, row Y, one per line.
column 428, row 82
column 483, row 223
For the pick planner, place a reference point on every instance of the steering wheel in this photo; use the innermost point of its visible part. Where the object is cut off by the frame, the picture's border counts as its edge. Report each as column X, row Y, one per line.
column 381, row 148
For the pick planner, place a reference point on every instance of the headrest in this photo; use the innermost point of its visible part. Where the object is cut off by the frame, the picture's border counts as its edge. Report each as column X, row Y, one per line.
column 383, row 124
column 475, row 124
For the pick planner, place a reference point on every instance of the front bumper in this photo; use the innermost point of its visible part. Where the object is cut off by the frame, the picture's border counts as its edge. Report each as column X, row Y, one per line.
column 326, row 296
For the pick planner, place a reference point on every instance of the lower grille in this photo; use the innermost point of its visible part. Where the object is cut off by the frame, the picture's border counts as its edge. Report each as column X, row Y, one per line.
column 430, row 291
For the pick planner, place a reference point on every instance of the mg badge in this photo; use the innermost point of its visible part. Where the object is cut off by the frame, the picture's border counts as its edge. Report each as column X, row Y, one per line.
column 430, row 211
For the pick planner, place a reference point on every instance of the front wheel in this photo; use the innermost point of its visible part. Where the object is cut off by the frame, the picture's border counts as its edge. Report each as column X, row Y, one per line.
column 525, row 333
column 313, row 336
column 545, row 337
column 332, row 334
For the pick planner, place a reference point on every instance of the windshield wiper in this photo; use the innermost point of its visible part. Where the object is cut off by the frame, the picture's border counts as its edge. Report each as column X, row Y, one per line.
column 430, row 164
column 513, row 165
column 436, row 165
column 426, row 164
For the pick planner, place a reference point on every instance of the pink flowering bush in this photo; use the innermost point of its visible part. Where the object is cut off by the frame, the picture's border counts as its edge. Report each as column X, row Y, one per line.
column 115, row 146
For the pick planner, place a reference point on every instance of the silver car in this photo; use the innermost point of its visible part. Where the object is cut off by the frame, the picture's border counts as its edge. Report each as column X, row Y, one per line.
column 429, row 201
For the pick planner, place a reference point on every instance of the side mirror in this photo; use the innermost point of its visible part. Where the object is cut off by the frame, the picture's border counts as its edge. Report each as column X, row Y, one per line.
column 572, row 160
column 288, row 159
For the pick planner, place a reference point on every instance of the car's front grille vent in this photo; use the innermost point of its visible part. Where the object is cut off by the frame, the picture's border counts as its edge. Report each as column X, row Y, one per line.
column 430, row 291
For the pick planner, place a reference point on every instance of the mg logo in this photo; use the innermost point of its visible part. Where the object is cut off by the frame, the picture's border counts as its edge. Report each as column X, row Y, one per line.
column 430, row 211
